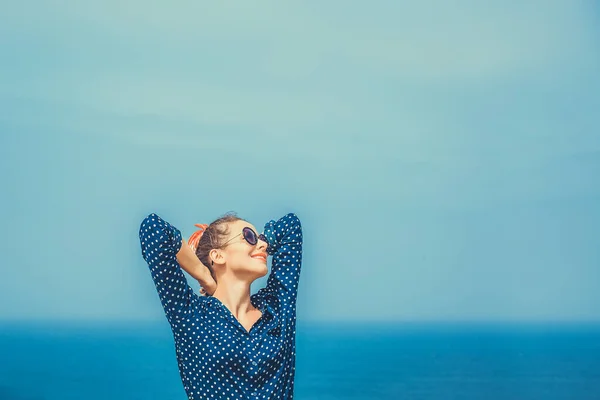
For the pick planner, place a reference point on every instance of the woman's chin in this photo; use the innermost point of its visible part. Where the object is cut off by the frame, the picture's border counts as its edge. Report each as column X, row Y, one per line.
column 265, row 270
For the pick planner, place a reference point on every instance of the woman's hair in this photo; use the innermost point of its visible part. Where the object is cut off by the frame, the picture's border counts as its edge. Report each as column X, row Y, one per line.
column 213, row 237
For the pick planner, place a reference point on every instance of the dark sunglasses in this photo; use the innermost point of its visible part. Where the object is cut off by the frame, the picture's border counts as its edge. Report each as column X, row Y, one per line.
column 250, row 236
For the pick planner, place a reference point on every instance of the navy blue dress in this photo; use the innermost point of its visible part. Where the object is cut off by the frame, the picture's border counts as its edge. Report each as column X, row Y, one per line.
column 217, row 357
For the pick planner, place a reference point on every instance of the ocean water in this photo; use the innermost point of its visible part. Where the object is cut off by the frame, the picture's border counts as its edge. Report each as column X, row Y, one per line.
column 335, row 361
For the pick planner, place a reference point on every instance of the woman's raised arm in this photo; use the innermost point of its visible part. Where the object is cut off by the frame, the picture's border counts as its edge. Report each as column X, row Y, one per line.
column 162, row 246
column 284, row 237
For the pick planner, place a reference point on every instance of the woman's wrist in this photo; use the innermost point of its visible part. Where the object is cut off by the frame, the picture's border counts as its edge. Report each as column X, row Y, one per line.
column 191, row 264
column 206, row 281
column 201, row 274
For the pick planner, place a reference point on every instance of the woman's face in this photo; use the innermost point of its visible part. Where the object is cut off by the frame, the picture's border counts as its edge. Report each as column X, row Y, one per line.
column 242, row 258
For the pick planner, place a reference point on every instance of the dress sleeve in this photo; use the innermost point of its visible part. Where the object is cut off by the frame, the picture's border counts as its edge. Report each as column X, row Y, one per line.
column 160, row 242
column 284, row 238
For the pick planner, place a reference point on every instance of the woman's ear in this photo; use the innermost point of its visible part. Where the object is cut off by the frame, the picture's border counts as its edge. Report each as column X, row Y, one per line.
column 216, row 256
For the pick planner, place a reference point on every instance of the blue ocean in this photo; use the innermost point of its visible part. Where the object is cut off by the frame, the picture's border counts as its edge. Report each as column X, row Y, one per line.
column 53, row 361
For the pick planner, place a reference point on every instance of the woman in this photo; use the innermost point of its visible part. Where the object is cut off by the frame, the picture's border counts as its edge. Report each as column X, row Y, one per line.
column 231, row 345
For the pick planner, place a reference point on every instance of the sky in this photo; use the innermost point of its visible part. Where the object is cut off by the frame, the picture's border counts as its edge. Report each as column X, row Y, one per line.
column 443, row 158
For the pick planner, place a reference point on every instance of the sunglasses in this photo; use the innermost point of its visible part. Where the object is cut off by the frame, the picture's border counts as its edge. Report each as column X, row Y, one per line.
column 250, row 236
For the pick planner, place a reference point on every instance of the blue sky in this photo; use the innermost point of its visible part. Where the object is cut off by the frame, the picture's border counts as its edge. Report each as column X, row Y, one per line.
column 444, row 159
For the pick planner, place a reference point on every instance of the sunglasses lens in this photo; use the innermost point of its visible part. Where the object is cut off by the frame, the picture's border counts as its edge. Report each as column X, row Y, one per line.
column 250, row 236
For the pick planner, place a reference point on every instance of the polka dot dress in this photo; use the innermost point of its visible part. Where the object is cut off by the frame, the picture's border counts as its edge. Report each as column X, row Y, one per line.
column 217, row 357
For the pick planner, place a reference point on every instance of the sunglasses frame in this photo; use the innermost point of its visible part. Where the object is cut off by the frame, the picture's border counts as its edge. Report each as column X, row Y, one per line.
column 245, row 229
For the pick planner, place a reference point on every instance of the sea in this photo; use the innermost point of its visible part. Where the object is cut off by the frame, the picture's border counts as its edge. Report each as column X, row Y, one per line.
column 367, row 360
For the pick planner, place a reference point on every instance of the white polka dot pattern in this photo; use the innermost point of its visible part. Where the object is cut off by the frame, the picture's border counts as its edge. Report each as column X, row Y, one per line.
column 217, row 357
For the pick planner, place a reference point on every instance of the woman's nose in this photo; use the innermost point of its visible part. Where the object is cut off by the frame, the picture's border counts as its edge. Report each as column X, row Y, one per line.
column 262, row 244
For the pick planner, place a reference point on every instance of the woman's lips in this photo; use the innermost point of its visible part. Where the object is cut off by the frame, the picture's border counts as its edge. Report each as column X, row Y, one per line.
column 260, row 257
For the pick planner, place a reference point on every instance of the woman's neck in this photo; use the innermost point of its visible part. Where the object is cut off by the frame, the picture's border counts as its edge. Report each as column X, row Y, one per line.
column 235, row 295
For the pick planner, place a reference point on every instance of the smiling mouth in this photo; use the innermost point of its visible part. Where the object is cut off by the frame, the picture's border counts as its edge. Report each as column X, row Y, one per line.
column 263, row 258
